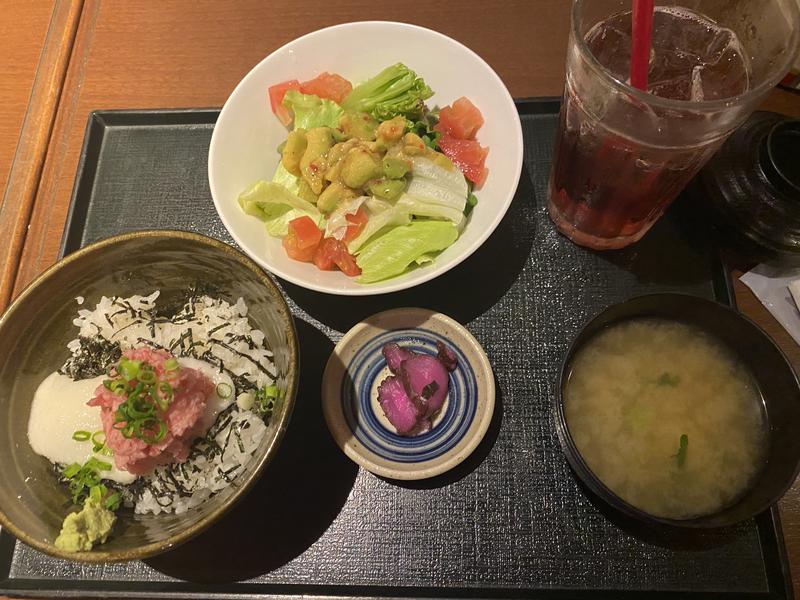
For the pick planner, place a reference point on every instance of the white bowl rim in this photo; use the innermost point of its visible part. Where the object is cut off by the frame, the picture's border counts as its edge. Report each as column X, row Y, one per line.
column 390, row 285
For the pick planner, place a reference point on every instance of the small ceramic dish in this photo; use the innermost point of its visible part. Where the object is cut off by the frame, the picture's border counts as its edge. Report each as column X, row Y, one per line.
column 356, row 420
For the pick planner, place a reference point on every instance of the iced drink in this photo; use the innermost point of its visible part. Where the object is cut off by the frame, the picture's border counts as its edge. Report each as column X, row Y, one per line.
column 622, row 155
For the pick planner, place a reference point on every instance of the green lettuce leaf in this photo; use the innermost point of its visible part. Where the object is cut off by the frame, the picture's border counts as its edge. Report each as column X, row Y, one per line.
column 276, row 206
column 394, row 91
column 296, row 185
column 435, row 192
column 382, row 215
column 312, row 111
column 391, row 253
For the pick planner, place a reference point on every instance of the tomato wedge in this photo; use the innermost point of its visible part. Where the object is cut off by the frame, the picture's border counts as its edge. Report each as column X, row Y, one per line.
column 461, row 120
column 276, row 94
column 346, row 263
column 327, row 85
column 357, row 222
column 294, row 250
column 325, row 254
column 468, row 155
column 306, row 230
column 302, row 239
column 332, row 253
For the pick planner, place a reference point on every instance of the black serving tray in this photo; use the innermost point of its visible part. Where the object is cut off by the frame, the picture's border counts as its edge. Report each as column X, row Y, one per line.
column 510, row 522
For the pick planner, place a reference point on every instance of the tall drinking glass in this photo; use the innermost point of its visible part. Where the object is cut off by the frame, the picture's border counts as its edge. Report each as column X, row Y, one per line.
column 622, row 154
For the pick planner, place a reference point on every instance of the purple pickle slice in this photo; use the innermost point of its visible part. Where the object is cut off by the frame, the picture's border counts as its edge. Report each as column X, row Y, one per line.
column 397, row 406
column 426, row 381
column 417, row 390
column 395, row 355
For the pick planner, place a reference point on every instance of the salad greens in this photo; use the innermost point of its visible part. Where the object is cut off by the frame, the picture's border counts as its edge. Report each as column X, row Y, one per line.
column 435, row 192
column 369, row 173
column 276, row 206
column 392, row 253
column 312, row 111
column 394, row 91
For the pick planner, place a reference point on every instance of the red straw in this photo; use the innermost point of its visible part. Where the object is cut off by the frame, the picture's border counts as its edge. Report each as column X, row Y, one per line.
column 640, row 48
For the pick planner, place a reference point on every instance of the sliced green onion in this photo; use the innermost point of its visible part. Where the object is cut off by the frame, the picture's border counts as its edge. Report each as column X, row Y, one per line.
column 100, row 465
column 136, row 392
column 159, row 435
column 129, row 369
column 164, row 394
column 112, row 501
column 85, row 483
column 146, row 376
column 71, row 470
column 118, row 386
column 96, row 492
column 98, row 443
column 271, row 391
column 137, row 416
column 105, row 451
column 224, row 390
column 139, row 408
column 81, row 436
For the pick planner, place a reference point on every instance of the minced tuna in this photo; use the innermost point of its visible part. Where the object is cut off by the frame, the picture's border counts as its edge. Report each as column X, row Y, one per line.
column 183, row 417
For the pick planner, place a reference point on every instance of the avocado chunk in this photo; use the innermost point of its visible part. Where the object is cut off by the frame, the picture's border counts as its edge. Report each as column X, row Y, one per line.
column 388, row 189
column 304, row 191
column 313, row 163
column 395, row 167
column 392, row 130
column 330, row 198
column 335, row 158
column 413, row 144
column 293, row 150
column 358, row 125
column 359, row 166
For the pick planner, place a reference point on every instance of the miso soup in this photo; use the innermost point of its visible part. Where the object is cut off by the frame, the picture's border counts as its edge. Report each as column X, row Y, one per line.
column 666, row 417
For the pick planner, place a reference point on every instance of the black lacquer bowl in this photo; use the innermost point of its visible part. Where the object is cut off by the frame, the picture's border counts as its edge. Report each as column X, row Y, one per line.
column 774, row 376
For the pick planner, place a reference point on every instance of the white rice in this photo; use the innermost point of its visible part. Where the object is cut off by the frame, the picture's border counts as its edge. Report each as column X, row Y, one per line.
column 212, row 330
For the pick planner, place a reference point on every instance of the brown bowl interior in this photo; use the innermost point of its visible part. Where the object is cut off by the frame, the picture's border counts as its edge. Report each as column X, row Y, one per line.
column 33, row 337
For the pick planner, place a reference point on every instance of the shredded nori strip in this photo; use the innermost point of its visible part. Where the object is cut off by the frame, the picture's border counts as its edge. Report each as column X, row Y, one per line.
column 175, row 305
column 150, row 343
column 217, row 328
column 92, row 358
column 260, row 367
column 242, row 338
column 237, row 431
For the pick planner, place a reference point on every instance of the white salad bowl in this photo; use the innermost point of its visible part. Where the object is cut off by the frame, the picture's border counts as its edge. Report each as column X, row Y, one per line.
column 247, row 134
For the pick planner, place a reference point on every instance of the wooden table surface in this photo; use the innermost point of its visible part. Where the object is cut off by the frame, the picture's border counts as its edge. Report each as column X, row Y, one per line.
column 190, row 53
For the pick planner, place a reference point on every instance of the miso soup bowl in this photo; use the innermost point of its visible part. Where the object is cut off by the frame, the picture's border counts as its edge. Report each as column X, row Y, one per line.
column 776, row 380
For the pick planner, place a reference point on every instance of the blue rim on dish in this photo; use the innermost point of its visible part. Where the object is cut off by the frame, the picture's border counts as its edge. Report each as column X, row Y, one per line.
column 368, row 368
column 356, row 420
